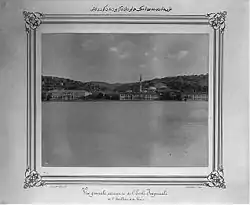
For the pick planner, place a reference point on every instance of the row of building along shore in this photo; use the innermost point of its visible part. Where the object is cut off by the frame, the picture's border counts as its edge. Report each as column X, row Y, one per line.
column 151, row 93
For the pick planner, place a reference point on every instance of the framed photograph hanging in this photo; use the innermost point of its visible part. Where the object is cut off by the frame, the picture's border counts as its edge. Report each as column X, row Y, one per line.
column 124, row 99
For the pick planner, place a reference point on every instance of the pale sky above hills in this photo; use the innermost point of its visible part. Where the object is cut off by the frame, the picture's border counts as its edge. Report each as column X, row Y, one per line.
column 123, row 57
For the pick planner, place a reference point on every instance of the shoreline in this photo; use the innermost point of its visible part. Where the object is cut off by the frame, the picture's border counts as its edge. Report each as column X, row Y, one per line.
column 123, row 101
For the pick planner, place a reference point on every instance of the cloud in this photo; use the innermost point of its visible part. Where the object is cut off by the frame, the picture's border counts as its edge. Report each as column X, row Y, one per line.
column 122, row 50
column 124, row 55
column 121, row 55
column 179, row 55
column 154, row 49
column 113, row 49
column 182, row 54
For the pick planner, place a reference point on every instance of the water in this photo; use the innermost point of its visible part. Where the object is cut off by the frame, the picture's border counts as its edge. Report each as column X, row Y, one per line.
column 132, row 134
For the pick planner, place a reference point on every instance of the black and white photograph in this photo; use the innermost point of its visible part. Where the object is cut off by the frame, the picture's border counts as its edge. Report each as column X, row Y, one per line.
column 125, row 99
column 124, row 102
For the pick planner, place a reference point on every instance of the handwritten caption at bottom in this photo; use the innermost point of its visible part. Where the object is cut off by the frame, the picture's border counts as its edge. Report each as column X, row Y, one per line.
column 133, row 195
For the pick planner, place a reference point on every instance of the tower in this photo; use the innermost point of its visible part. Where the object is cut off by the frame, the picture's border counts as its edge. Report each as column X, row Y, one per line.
column 140, row 83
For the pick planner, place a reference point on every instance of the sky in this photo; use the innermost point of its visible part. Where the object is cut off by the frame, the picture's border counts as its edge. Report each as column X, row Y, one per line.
column 120, row 58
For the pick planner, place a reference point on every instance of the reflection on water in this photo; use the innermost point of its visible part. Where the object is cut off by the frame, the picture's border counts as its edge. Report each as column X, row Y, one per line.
column 134, row 134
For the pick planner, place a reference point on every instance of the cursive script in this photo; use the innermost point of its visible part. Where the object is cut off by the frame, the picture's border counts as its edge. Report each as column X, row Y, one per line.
column 133, row 195
column 108, row 8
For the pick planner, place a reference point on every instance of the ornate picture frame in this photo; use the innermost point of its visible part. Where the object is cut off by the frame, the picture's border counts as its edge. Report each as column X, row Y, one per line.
column 35, row 176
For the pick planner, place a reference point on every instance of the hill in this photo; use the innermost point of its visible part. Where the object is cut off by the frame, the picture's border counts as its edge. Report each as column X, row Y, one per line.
column 185, row 84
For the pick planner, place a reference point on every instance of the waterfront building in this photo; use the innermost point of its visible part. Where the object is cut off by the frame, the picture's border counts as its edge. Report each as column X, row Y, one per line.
column 143, row 94
column 68, row 94
column 152, row 89
column 197, row 96
column 139, row 96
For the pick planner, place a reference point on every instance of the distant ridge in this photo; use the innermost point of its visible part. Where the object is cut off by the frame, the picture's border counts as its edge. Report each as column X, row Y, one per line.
column 185, row 84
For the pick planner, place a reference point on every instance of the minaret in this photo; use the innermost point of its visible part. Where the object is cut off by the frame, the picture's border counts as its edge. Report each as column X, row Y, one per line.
column 140, row 83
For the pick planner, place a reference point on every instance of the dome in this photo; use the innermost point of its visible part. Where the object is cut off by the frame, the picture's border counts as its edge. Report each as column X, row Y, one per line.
column 152, row 88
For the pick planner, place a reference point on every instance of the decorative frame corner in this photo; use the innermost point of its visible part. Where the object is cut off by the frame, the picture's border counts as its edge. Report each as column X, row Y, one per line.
column 32, row 179
column 217, row 20
column 32, row 20
column 216, row 179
